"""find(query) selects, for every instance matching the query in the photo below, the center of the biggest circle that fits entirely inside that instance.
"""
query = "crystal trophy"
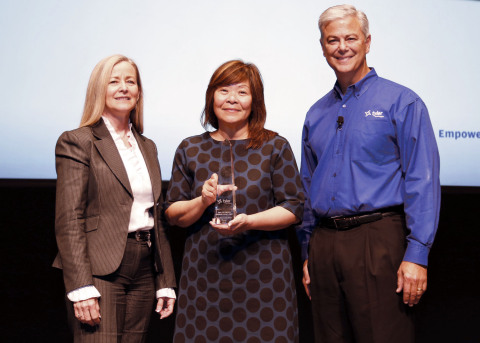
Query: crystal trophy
(225, 206)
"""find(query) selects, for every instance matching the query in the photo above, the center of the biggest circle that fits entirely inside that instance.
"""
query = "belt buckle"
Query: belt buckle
(344, 223)
(146, 238)
(337, 222)
(137, 236)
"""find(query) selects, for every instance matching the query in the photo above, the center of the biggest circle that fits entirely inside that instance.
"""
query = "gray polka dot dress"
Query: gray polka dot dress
(239, 288)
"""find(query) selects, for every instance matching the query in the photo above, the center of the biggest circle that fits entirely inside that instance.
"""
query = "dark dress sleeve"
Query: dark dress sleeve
(180, 186)
(286, 182)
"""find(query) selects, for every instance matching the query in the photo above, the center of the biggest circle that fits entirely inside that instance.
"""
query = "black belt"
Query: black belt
(140, 236)
(349, 222)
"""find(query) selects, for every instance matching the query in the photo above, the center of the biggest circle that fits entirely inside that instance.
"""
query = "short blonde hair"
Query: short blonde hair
(97, 90)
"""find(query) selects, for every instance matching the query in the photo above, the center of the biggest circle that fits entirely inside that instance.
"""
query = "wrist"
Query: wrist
(203, 202)
(206, 201)
(248, 223)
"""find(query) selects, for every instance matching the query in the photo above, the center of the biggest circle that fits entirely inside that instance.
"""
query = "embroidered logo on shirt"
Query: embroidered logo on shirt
(376, 114)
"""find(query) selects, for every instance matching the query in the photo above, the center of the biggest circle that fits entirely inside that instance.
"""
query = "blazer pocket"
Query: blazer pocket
(91, 223)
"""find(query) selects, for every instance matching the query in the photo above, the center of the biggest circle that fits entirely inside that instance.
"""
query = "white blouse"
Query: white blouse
(141, 217)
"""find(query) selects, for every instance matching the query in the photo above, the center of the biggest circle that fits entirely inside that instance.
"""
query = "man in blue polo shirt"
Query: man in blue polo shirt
(370, 168)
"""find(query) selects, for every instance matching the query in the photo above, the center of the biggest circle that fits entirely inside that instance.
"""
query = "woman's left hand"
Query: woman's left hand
(165, 307)
(235, 226)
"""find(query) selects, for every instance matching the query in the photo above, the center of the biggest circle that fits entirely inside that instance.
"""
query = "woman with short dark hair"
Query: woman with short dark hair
(237, 281)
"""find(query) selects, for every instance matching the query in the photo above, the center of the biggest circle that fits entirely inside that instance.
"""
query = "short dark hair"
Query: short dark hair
(230, 73)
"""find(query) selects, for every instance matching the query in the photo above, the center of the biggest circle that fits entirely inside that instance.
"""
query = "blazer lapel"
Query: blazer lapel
(151, 160)
(109, 152)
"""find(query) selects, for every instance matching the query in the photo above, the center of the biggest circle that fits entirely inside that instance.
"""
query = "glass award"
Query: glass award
(225, 206)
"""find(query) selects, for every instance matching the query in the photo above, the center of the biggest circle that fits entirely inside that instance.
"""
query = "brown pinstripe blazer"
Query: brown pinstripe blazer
(93, 204)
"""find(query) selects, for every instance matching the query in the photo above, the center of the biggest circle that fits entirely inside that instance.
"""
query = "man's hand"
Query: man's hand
(87, 311)
(165, 307)
(306, 279)
(412, 279)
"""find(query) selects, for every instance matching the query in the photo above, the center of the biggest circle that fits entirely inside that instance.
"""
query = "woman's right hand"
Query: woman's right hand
(184, 213)
(87, 311)
(209, 190)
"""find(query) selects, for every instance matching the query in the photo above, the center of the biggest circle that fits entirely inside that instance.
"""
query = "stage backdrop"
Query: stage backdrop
(50, 47)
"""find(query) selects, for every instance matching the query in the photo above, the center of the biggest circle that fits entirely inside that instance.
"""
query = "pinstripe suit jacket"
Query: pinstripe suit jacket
(93, 204)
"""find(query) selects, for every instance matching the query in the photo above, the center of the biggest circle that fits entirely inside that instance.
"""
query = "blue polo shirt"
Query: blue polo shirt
(384, 154)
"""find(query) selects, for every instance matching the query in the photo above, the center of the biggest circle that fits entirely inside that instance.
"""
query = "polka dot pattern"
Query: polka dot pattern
(240, 288)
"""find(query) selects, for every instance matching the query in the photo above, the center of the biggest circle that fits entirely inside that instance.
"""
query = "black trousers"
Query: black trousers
(353, 281)
(126, 303)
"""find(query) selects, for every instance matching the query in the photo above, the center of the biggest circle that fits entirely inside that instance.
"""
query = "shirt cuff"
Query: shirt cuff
(83, 293)
(166, 293)
(416, 253)
(304, 251)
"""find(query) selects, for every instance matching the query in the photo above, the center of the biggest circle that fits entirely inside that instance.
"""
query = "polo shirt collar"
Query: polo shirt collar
(358, 88)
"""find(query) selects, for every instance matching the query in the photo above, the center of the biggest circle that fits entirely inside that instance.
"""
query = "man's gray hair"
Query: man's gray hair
(341, 12)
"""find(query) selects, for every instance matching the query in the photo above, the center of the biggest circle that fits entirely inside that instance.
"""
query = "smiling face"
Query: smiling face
(232, 106)
(122, 91)
(345, 47)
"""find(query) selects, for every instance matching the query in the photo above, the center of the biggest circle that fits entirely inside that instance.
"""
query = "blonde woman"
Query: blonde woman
(113, 250)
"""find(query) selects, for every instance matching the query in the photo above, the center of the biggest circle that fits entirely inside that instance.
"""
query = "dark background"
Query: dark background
(33, 308)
